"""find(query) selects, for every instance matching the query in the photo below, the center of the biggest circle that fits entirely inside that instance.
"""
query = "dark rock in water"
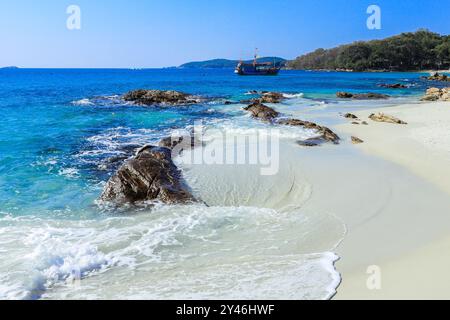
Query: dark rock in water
(355, 122)
(350, 116)
(150, 175)
(362, 96)
(229, 102)
(364, 123)
(265, 97)
(180, 143)
(157, 97)
(344, 95)
(438, 77)
(326, 134)
(393, 86)
(271, 97)
(356, 140)
(381, 117)
(262, 112)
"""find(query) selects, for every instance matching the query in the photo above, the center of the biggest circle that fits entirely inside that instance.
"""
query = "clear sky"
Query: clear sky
(158, 33)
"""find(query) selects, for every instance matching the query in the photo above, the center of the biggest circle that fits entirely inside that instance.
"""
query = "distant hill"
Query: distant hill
(421, 50)
(9, 68)
(228, 64)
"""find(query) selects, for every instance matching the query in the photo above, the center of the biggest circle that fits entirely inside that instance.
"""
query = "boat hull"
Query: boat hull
(252, 70)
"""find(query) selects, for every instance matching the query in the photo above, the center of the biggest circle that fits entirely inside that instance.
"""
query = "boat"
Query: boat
(257, 68)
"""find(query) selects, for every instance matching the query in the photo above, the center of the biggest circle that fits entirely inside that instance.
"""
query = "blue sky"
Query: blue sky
(158, 33)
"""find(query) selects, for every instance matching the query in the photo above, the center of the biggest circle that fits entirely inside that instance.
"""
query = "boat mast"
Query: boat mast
(256, 57)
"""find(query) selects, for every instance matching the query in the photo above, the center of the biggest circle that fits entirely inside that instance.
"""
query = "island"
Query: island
(228, 64)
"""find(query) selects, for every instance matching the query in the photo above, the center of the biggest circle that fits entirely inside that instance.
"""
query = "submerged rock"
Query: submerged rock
(150, 175)
(436, 94)
(155, 97)
(262, 112)
(393, 86)
(381, 117)
(326, 134)
(362, 96)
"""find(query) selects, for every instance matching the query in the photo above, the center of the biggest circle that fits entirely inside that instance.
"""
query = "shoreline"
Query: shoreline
(407, 243)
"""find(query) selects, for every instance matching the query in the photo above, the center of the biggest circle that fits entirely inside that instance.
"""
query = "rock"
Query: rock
(271, 97)
(325, 133)
(158, 97)
(354, 122)
(435, 94)
(364, 123)
(311, 142)
(350, 116)
(381, 117)
(344, 95)
(356, 140)
(438, 77)
(362, 96)
(150, 175)
(393, 86)
(265, 97)
(262, 112)
(180, 143)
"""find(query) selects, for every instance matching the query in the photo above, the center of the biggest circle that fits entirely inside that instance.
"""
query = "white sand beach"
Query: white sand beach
(409, 237)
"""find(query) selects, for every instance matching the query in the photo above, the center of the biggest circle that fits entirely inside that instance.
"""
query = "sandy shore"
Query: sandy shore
(408, 239)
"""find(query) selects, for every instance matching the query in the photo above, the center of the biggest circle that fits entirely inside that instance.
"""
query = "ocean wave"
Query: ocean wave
(110, 100)
(157, 256)
(293, 95)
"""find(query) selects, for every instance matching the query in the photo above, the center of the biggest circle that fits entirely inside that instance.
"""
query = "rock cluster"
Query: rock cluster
(159, 97)
(438, 77)
(436, 94)
(265, 113)
(326, 134)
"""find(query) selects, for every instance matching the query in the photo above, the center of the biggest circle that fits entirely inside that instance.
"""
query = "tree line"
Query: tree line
(420, 50)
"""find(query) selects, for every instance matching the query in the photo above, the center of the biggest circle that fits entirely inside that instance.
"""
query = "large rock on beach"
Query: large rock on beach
(262, 112)
(150, 175)
(159, 97)
(381, 117)
(436, 94)
(362, 96)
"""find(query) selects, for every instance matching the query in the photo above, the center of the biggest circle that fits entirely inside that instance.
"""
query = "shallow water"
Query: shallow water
(64, 132)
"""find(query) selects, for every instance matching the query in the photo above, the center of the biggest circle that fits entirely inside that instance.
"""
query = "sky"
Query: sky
(163, 33)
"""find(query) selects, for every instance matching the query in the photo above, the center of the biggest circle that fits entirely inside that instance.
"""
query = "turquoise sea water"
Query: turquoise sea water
(64, 132)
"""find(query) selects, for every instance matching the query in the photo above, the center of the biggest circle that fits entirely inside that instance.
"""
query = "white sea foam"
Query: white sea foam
(293, 95)
(83, 102)
(173, 252)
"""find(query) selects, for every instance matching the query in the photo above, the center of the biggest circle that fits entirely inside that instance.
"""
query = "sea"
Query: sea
(65, 132)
